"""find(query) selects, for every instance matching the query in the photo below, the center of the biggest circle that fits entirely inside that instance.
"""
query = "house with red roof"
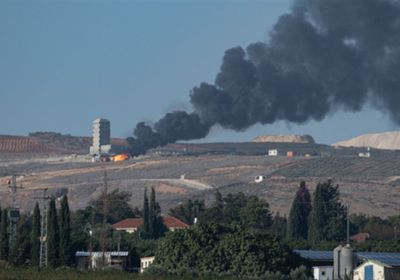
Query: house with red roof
(132, 224)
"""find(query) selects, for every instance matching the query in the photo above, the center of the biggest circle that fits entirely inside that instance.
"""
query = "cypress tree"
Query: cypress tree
(317, 216)
(157, 225)
(146, 222)
(22, 248)
(53, 235)
(328, 216)
(65, 233)
(35, 236)
(152, 215)
(4, 241)
(299, 213)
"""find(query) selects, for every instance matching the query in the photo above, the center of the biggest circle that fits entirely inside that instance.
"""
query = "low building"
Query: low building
(376, 270)
(131, 225)
(390, 262)
(273, 152)
(259, 178)
(323, 272)
(98, 260)
(290, 153)
(145, 262)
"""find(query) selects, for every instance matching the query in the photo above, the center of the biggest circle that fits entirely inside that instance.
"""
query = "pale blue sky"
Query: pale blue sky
(65, 63)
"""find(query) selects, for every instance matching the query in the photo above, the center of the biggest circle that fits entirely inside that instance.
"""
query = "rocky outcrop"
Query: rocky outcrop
(307, 139)
(386, 140)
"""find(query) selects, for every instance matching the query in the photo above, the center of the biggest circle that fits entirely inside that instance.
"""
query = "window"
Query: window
(323, 273)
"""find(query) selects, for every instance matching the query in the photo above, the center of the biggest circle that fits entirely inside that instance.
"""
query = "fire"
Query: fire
(120, 157)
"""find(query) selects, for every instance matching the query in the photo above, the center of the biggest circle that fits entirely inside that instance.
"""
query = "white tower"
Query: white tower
(101, 137)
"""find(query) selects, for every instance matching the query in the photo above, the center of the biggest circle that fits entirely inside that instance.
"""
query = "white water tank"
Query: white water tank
(336, 262)
(346, 262)
(343, 262)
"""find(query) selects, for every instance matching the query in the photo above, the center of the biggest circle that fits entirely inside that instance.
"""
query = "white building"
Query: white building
(259, 178)
(323, 272)
(101, 137)
(273, 152)
(375, 270)
(145, 262)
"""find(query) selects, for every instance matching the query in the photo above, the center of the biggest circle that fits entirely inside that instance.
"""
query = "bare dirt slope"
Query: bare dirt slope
(386, 140)
(372, 186)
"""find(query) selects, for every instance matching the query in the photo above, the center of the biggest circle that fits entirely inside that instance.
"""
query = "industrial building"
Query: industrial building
(343, 263)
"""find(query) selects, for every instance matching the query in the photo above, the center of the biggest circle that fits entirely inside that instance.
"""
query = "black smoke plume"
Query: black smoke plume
(323, 56)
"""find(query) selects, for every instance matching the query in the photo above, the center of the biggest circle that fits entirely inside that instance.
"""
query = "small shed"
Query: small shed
(145, 262)
(273, 152)
(323, 272)
(290, 153)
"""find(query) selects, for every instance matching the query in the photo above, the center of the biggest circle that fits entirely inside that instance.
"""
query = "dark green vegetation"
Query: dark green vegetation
(235, 235)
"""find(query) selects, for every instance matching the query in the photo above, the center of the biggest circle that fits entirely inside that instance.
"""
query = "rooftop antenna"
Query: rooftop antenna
(348, 224)
(13, 214)
(43, 228)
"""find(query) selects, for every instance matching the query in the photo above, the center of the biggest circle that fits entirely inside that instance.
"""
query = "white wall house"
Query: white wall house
(323, 272)
(375, 270)
(273, 152)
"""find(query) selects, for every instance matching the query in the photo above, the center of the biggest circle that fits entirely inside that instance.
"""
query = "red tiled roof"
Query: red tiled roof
(129, 223)
(360, 237)
(170, 222)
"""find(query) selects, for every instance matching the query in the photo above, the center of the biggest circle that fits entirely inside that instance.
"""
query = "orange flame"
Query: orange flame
(120, 157)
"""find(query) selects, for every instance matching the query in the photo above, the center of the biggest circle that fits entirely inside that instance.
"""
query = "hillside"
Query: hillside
(371, 185)
(48, 143)
(386, 140)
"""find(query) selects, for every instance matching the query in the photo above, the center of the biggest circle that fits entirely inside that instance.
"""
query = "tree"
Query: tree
(255, 214)
(279, 226)
(65, 232)
(120, 206)
(153, 226)
(145, 230)
(217, 248)
(239, 209)
(35, 236)
(152, 214)
(299, 213)
(328, 215)
(22, 248)
(53, 235)
(4, 240)
(188, 211)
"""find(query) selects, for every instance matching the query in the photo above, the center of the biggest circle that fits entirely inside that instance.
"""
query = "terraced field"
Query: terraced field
(21, 144)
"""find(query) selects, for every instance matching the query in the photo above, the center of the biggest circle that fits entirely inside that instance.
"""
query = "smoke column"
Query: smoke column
(321, 57)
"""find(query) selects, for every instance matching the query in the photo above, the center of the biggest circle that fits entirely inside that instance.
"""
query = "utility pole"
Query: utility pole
(348, 224)
(43, 229)
(13, 214)
(103, 239)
